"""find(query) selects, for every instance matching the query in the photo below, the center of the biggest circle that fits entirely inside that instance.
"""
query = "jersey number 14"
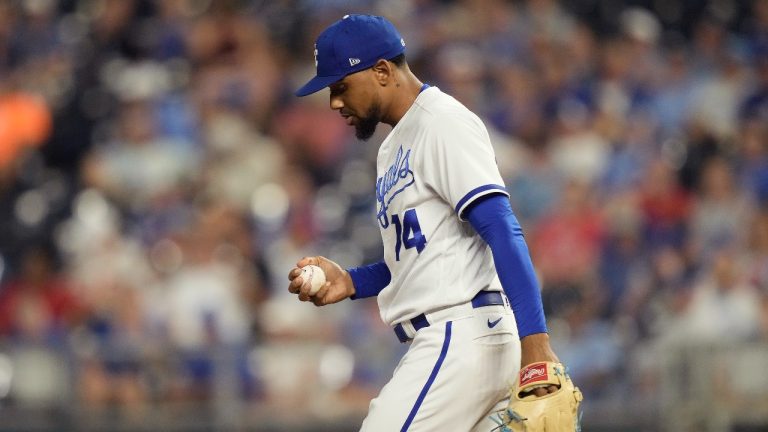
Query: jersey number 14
(408, 233)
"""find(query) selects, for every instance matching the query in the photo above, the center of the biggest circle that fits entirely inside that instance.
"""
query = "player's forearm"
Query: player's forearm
(493, 219)
(369, 280)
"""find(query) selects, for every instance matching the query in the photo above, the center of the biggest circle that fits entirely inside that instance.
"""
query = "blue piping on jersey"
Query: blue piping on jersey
(471, 194)
(432, 376)
(424, 87)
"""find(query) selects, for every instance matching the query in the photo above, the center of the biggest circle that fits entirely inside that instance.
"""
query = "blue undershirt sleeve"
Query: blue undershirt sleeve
(369, 280)
(493, 218)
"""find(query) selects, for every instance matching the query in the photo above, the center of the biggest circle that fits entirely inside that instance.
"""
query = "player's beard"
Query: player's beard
(366, 126)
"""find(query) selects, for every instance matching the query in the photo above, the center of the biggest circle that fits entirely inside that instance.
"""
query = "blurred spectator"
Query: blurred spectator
(723, 307)
(622, 256)
(138, 167)
(720, 210)
(755, 105)
(663, 294)
(208, 300)
(716, 97)
(709, 44)
(206, 295)
(38, 305)
(754, 160)
(317, 151)
(565, 243)
(665, 205)
(577, 151)
(589, 346)
(38, 312)
(239, 159)
(535, 190)
(673, 91)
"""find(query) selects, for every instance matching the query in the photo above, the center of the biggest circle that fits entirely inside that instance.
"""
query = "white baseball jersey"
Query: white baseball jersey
(435, 162)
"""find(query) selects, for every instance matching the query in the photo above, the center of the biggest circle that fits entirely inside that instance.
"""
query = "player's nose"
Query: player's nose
(336, 103)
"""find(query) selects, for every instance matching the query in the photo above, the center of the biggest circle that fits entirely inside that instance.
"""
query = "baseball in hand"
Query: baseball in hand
(313, 276)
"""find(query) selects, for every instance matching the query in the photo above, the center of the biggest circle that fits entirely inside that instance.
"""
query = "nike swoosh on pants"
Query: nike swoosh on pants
(492, 324)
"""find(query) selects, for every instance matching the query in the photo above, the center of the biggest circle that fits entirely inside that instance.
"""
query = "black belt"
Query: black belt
(481, 299)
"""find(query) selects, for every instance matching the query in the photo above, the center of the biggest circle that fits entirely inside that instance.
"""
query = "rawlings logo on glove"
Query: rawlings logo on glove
(534, 372)
(553, 412)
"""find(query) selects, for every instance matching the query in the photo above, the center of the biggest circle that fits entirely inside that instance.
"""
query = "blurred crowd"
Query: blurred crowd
(158, 179)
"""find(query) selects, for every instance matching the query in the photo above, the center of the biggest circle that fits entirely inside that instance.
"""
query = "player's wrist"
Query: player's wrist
(348, 283)
(536, 348)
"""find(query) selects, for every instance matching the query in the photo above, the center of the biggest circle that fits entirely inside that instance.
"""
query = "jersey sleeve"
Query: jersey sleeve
(493, 219)
(459, 162)
(369, 280)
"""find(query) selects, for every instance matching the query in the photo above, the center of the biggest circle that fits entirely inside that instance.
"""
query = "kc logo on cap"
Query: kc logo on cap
(352, 44)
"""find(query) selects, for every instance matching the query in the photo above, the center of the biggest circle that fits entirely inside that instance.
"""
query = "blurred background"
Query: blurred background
(158, 180)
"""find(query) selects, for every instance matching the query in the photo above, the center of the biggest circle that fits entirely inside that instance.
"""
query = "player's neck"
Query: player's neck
(407, 88)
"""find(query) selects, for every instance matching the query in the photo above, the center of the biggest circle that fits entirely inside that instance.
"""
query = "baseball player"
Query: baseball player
(445, 219)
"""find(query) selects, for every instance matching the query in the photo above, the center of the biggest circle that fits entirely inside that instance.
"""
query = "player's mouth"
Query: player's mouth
(350, 119)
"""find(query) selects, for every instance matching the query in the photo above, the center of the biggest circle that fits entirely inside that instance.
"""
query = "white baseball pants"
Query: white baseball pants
(456, 374)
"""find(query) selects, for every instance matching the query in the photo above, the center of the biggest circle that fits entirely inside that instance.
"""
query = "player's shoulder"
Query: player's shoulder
(434, 102)
(438, 108)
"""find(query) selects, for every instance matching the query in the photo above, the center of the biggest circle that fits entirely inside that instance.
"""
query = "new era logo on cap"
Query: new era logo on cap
(352, 44)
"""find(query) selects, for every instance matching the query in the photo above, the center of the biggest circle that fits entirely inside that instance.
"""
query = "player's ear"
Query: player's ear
(383, 72)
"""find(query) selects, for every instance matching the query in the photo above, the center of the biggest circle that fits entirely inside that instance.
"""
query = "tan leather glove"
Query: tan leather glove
(554, 412)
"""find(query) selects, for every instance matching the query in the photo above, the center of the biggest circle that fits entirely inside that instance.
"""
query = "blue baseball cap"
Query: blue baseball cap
(352, 44)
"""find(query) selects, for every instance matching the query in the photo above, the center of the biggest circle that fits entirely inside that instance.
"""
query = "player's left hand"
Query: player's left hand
(535, 348)
(557, 411)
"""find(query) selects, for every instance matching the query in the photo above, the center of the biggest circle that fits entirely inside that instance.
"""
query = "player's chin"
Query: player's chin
(364, 130)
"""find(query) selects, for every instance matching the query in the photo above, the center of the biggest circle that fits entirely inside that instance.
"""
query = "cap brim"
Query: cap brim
(316, 84)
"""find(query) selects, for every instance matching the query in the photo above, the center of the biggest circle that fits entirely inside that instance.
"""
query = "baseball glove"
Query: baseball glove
(554, 412)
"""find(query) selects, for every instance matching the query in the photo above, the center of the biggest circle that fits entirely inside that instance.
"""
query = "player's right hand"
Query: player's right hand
(338, 284)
